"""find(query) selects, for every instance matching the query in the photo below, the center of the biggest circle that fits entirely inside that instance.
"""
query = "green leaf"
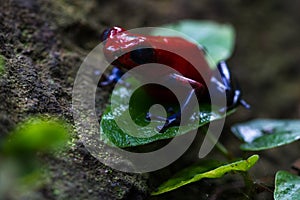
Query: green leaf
(208, 170)
(113, 135)
(218, 39)
(266, 133)
(139, 105)
(287, 186)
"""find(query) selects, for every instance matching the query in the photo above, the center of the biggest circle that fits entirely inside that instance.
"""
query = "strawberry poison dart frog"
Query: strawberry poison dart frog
(142, 49)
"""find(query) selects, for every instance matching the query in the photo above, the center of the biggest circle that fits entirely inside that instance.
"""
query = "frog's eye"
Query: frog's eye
(110, 32)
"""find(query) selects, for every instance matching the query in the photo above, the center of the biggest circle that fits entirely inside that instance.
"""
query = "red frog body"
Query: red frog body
(152, 49)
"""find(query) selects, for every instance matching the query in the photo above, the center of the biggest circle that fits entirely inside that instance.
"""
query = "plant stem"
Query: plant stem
(248, 184)
(220, 146)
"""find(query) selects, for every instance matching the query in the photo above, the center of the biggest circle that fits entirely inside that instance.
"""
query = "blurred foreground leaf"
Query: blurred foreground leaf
(20, 169)
(287, 186)
(208, 170)
(36, 135)
(266, 133)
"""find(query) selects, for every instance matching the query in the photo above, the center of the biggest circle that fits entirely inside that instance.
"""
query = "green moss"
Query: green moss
(2, 64)
(57, 192)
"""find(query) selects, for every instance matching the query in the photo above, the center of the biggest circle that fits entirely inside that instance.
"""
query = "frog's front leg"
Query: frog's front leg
(113, 77)
(181, 116)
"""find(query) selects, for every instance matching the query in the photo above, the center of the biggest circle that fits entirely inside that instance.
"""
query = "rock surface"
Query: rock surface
(37, 79)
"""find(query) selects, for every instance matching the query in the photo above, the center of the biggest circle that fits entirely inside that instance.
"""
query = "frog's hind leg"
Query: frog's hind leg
(184, 114)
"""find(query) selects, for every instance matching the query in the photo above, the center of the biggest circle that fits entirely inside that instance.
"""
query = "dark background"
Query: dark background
(265, 59)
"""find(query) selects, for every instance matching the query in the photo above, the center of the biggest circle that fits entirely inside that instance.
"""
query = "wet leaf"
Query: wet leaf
(217, 39)
(207, 170)
(266, 133)
(139, 105)
(112, 134)
(287, 186)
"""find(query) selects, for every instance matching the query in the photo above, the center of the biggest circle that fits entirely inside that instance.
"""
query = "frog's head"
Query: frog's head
(120, 46)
